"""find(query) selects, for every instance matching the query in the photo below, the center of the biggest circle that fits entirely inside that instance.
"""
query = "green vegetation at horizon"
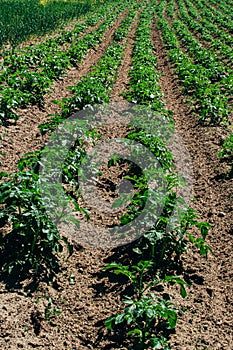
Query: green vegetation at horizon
(21, 19)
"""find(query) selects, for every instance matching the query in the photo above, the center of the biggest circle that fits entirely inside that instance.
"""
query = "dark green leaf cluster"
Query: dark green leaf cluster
(35, 237)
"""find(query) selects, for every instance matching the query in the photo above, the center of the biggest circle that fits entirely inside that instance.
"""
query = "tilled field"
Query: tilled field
(175, 58)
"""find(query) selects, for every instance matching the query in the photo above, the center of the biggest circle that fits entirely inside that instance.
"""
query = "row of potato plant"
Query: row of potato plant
(95, 88)
(221, 42)
(26, 86)
(147, 316)
(217, 45)
(202, 76)
(192, 10)
(211, 14)
(171, 8)
(36, 238)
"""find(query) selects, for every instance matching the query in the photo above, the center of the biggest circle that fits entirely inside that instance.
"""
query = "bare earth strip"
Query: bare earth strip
(122, 82)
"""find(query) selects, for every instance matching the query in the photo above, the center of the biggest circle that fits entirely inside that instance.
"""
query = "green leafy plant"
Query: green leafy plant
(140, 319)
(134, 273)
(227, 151)
(36, 238)
(51, 311)
(137, 274)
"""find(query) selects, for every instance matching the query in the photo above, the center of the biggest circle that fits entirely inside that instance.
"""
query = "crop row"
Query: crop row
(208, 31)
(211, 14)
(151, 254)
(23, 86)
(200, 72)
(157, 252)
(170, 8)
(36, 235)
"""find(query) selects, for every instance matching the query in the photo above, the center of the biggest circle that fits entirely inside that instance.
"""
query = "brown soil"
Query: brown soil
(176, 16)
(85, 294)
(122, 82)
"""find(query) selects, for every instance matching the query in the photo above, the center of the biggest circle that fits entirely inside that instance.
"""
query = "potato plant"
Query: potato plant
(26, 79)
(227, 152)
(158, 249)
(155, 258)
(200, 73)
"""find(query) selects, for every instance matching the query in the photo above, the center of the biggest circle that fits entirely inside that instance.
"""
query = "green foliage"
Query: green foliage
(227, 147)
(35, 236)
(161, 246)
(28, 74)
(138, 276)
(140, 319)
(134, 273)
(147, 317)
(227, 152)
(51, 310)
(22, 18)
(199, 70)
